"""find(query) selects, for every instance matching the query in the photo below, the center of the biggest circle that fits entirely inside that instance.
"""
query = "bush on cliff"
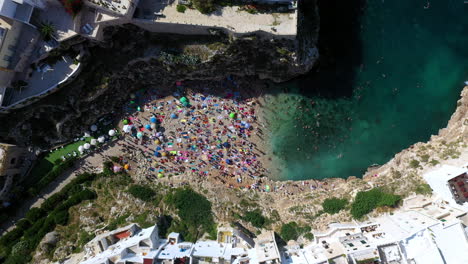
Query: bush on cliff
(204, 6)
(367, 201)
(334, 205)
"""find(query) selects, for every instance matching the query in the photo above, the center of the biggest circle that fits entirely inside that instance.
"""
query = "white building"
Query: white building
(451, 184)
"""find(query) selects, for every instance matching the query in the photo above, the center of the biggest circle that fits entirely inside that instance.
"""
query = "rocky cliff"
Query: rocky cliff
(131, 58)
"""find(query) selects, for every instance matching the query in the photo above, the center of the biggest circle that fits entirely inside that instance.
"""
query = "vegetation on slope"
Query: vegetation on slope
(334, 205)
(367, 201)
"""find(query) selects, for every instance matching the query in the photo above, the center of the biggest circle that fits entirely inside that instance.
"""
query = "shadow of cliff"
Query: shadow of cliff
(340, 49)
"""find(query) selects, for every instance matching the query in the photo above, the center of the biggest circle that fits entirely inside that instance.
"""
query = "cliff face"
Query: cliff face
(131, 59)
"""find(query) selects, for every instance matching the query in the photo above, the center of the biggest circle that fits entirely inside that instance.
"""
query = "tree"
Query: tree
(334, 205)
(47, 30)
(181, 8)
(255, 217)
(141, 192)
(204, 6)
(289, 231)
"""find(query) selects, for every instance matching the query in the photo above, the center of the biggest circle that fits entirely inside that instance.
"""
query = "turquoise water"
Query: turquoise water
(411, 68)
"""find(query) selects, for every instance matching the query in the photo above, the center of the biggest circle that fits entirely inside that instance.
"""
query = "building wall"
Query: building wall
(13, 31)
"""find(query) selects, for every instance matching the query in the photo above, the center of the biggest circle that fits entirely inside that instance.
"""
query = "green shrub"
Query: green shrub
(35, 214)
(414, 164)
(194, 211)
(23, 224)
(334, 205)
(255, 217)
(292, 231)
(10, 238)
(204, 6)
(61, 217)
(142, 192)
(181, 8)
(367, 201)
(424, 189)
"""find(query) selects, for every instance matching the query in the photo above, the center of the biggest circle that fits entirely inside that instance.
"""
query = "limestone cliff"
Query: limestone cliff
(131, 58)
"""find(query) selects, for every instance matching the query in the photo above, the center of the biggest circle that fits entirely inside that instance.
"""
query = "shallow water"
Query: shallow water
(403, 88)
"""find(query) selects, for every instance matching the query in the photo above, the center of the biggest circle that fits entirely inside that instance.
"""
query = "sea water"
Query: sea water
(401, 87)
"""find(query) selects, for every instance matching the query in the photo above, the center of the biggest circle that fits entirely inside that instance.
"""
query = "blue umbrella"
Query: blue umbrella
(153, 119)
(226, 145)
(148, 126)
(228, 161)
(173, 116)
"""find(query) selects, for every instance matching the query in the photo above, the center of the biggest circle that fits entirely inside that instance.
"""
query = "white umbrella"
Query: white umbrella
(87, 146)
(101, 139)
(93, 141)
(93, 128)
(153, 126)
(127, 128)
(86, 134)
(111, 132)
(80, 148)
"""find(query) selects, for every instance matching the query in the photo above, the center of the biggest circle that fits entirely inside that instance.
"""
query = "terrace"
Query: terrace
(66, 26)
(459, 188)
(237, 19)
(46, 77)
(119, 7)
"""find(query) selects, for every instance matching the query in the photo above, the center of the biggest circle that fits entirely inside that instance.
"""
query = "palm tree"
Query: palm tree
(47, 30)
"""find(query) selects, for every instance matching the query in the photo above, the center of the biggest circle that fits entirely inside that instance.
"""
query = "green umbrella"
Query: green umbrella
(125, 122)
(232, 115)
(183, 100)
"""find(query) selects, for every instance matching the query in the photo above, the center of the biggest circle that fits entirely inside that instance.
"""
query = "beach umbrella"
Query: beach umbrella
(148, 126)
(94, 128)
(101, 139)
(132, 95)
(139, 135)
(160, 175)
(267, 188)
(112, 132)
(117, 168)
(138, 108)
(164, 154)
(157, 142)
(226, 145)
(228, 161)
(153, 126)
(173, 116)
(178, 83)
(86, 134)
(183, 100)
(127, 129)
(125, 122)
(80, 148)
(126, 166)
(232, 115)
(153, 119)
(87, 146)
(93, 141)
(157, 154)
